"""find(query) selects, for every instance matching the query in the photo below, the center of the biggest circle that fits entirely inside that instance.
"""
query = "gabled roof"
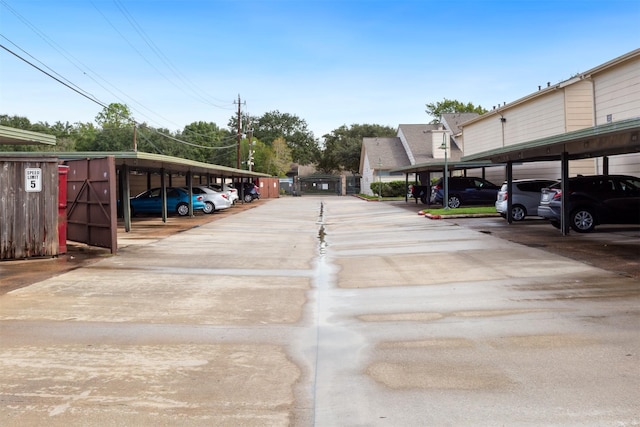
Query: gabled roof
(452, 121)
(384, 153)
(419, 145)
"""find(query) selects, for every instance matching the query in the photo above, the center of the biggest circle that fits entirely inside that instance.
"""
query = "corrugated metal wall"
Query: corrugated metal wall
(28, 207)
(269, 188)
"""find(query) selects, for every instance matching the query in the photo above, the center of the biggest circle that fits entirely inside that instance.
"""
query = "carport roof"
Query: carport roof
(148, 162)
(438, 165)
(605, 140)
(13, 136)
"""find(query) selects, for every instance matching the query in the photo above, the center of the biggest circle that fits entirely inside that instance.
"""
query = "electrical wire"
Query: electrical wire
(80, 92)
(163, 58)
(89, 73)
(102, 104)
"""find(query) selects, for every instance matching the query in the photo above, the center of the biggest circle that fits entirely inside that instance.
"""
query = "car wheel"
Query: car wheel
(582, 220)
(183, 209)
(518, 212)
(248, 198)
(454, 202)
(209, 208)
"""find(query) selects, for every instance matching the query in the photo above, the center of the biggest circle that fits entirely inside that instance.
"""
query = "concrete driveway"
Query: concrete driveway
(315, 311)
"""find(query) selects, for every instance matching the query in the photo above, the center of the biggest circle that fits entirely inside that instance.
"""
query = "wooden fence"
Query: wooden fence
(28, 207)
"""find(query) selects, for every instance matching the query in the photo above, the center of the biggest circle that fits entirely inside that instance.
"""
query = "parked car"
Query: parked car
(150, 201)
(525, 197)
(213, 200)
(248, 190)
(594, 200)
(465, 190)
(231, 192)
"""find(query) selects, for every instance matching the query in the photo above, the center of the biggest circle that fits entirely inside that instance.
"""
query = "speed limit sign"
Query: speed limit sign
(33, 180)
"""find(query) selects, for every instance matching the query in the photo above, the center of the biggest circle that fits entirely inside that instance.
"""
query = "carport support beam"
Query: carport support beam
(190, 192)
(509, 191)
(564, 214)
(163, 192)
(126, 195)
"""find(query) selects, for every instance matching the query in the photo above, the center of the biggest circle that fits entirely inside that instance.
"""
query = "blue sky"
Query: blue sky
(329, 62)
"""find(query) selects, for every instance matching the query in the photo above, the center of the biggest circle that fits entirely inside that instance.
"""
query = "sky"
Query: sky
(328, 62)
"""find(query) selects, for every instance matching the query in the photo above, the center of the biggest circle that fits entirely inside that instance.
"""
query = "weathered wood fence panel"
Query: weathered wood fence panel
(28, 207)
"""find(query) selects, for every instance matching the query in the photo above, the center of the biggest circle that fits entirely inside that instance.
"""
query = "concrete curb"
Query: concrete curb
(431, 216)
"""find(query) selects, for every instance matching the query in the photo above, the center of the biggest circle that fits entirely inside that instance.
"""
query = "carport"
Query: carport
(606, 140)
(14, 136)
(441, 166)
(96, 179)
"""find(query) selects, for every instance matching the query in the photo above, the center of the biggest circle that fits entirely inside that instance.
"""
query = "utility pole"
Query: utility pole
(250, 139)
(239, 133)
(135, 140)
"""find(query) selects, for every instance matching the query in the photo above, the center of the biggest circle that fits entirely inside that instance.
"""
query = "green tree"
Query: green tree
(281, 158)
(117, 129)
(209, 144)
(274, 124)
(343, 146)
(17, 122)
(115, 116)
(85, 136)
(437, 109)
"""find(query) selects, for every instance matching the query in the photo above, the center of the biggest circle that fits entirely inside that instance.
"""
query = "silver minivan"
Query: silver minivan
(525, 198)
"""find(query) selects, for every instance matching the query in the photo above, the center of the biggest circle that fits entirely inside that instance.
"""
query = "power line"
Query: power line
(90, 73)
(90, 98)
(102, 104)
(158, 52)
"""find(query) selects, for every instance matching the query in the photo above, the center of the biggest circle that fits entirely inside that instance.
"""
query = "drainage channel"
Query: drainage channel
(336, 342)
(321, 279)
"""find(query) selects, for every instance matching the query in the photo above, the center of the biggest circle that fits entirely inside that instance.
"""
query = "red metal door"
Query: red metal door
(62, 208)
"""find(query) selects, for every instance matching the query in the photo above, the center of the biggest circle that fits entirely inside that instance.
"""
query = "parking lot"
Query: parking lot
(611, 247)
(315, 311)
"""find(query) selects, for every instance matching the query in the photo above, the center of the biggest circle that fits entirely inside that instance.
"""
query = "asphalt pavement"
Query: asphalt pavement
(314, 311)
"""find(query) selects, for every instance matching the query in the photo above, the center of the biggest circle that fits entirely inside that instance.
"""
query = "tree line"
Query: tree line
(269, 143)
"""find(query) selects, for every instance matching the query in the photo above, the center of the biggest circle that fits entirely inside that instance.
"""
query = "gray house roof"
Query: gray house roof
(384, 153)
(452, 121)
(417, 141)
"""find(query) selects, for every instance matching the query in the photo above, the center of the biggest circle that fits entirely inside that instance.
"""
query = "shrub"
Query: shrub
(389, 189)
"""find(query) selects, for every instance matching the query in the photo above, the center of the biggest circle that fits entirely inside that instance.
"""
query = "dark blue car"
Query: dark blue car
(465, 190)
(150, 201)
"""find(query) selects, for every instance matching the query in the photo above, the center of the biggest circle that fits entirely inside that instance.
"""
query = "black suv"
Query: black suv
(593, 200)
(247, 191)
(465, 190)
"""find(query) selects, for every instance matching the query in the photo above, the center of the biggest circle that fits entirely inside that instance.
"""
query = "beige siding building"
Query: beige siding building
(606, 94)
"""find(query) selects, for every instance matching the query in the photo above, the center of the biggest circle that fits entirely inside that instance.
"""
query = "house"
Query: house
(413, 144)
(588, 124)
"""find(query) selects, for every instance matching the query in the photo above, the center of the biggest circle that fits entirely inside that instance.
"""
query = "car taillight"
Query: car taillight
(225, 196)
(199, 198)
(505, 196)
(437, 187)
(558, 195)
